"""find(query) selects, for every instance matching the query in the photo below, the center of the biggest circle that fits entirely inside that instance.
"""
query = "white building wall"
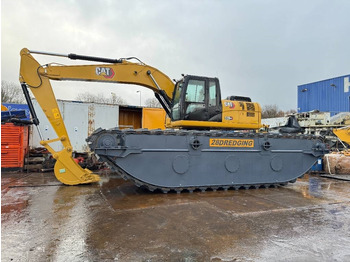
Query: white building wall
(81, 119)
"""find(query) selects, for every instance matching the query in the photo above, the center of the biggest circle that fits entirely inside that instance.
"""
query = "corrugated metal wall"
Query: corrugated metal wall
(331, 95)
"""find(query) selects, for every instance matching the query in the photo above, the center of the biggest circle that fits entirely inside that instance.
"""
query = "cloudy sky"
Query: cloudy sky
(261, 49)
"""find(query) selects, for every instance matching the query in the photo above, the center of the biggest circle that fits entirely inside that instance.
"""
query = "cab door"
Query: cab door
(201, 99)
(214, 100)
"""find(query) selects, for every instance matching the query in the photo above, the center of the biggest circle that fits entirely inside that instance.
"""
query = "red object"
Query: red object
(14, 145)
(79, 159)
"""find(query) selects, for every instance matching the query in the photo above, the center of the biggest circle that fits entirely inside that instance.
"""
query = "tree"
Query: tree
(117, 99)
(270, 111)
(100, 98)
(290, 112)
(11, 93)
(153, 102)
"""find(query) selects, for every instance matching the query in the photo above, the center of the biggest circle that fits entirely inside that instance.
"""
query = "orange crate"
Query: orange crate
(14, 145)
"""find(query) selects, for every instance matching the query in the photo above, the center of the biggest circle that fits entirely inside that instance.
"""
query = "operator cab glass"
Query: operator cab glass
(175, 114)
(197, 98)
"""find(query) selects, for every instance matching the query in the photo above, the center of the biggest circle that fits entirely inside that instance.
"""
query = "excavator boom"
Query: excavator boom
(37, 77)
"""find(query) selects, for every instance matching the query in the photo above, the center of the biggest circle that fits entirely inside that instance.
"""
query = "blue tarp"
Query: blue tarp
(17, 107)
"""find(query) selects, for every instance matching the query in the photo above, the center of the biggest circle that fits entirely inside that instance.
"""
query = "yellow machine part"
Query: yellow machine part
(153, 118)
(66, 169)
(4, 108)
(37, 77)
(343, 134)
(235, 114)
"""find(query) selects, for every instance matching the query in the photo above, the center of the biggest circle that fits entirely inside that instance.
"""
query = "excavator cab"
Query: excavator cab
(197, 98)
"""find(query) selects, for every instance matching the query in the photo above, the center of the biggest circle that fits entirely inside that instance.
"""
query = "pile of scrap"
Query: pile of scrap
(88, 160)
(40, 160)
(338, 163)
(318, 123)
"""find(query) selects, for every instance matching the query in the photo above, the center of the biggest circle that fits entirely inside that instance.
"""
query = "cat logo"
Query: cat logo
(106, 72)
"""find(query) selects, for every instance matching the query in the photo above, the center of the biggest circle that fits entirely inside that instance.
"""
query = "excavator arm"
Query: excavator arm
(37, 77)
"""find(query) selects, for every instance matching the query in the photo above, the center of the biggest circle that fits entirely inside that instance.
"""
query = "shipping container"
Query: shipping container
(81, 120)
(330, 95)
(14, 145)
(130, 117)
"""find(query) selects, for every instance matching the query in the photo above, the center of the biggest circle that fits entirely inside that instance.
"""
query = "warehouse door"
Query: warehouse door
(130, 117)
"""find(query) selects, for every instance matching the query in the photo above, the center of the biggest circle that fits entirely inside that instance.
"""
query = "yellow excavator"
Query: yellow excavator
(205, 134)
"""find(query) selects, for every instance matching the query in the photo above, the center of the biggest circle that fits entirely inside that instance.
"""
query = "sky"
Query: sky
(261, 49)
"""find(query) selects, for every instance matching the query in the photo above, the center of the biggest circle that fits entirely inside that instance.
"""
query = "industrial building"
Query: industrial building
(330, 95)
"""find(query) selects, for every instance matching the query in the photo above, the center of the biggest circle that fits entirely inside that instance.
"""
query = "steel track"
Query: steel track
(213, 133)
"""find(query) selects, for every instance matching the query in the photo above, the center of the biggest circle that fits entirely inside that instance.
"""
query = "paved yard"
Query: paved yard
(42, 220)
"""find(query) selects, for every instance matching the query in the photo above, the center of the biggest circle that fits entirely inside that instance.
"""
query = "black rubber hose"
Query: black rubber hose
(94, 58)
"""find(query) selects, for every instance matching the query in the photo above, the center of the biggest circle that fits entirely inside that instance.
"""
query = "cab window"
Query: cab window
(212, 93)
(195, 100)
(176, 102)
(195, 91)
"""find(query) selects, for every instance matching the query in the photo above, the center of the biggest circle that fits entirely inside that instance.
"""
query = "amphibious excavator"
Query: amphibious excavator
(209, 143)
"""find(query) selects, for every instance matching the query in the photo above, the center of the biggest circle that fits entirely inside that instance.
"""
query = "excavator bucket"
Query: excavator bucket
(66, 169)
(69, 172)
